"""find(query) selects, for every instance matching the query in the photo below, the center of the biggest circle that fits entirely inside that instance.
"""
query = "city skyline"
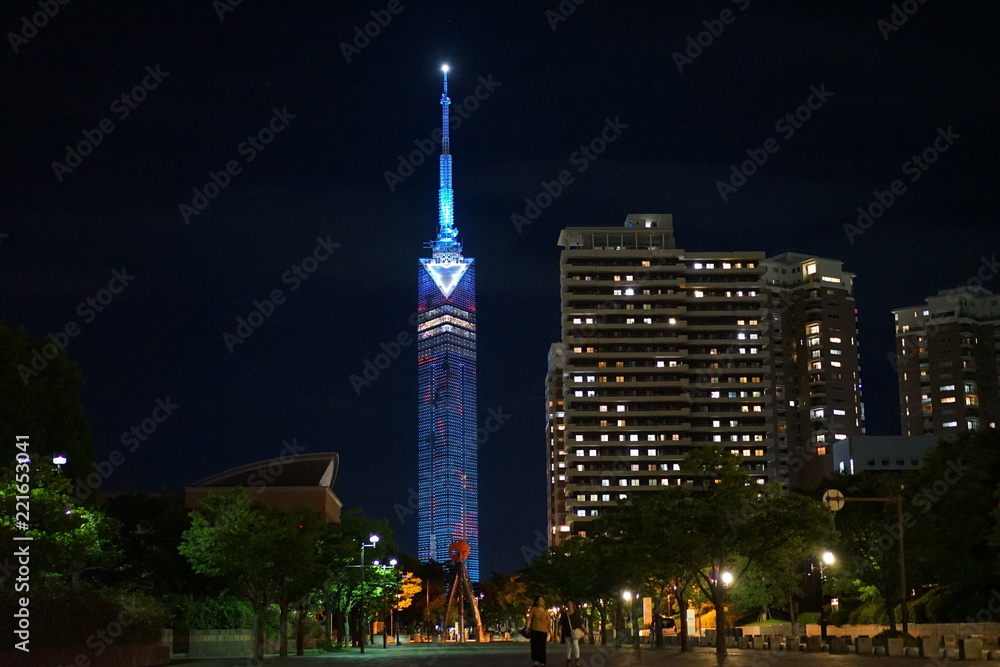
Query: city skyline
(232, 154)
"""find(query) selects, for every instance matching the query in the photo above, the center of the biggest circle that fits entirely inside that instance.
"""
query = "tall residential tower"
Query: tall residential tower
(948, 362)
(663, 351)
(447, 474)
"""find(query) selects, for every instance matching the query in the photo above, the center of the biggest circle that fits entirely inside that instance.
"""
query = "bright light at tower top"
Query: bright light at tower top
(444, 68)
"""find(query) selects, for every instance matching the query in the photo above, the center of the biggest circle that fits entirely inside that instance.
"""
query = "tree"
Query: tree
(40, 395)
(505, 601)
(724, 522)
(150, 528)
(952, 504)
(252, 547)
(67, 539)
(868, 536)
(301, 564)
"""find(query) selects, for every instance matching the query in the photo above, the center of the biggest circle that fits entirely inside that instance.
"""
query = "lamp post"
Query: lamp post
(373, 540)
(826, 559)
(385, 568)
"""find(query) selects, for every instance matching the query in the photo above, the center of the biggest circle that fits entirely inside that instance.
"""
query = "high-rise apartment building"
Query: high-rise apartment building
(664, 351)
(555, 432)
(817, 376)
(447, 473)
(947, 353)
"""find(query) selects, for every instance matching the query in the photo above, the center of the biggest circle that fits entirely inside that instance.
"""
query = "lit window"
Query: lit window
(698, 294)
(621, 408)
(810, 269)
(948, 399)
(579, 437)
(696, 265)
(834, 339)
(633, 452)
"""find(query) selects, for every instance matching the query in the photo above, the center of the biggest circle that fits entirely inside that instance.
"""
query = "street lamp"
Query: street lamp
(627, 597)
(727, 578)
(373, 540)
(826, 559)
(385, 568)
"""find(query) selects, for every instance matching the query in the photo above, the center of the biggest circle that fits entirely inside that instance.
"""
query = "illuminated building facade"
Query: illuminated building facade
(948, 363)
(448, 503)
(816, 364)
(663, 351)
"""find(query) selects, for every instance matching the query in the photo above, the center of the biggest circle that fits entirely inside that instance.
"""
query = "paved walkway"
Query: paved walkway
(516, 655)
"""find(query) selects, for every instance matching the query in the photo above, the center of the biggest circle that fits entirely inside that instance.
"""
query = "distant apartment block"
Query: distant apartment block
(947, 363)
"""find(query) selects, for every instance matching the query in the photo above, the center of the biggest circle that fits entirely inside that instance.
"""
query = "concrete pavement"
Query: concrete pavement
(507, 654)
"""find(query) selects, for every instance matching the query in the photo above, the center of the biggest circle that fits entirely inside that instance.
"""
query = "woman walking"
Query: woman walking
(539, 627)
(572, 630)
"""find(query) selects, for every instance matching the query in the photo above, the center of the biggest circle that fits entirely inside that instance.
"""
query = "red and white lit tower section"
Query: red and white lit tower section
(447, 477)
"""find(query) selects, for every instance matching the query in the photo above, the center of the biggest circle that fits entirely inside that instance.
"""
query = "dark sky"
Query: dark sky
(887, 94)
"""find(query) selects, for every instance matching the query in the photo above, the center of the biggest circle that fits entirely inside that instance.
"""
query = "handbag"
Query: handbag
(524, 633)
(578, 633)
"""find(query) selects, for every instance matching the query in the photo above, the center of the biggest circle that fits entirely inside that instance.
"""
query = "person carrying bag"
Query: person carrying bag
(572, 631)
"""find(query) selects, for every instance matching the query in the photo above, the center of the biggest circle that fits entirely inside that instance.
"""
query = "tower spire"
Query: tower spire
(447, 238)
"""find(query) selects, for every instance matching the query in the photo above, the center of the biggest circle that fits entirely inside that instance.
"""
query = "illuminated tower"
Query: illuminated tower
(446, 378)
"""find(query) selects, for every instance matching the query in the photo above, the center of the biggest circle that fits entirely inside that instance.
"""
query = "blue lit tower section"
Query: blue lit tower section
(448, 478)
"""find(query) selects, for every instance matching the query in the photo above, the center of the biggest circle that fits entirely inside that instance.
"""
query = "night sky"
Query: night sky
(212, 76)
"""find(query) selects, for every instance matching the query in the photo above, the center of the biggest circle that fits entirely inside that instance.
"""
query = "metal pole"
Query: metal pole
(364, 630)
(902, 563)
